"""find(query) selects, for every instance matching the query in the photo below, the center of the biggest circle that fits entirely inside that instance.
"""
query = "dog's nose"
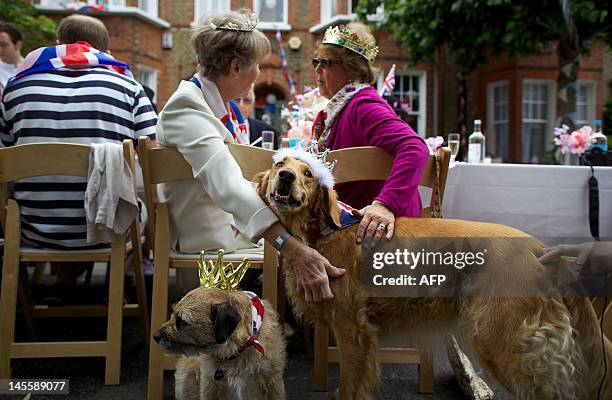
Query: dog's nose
(286, 176)
(157, 336)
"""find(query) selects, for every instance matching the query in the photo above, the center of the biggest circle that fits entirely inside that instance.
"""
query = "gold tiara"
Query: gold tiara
(248, 26)
(341, 36)
(217, 274)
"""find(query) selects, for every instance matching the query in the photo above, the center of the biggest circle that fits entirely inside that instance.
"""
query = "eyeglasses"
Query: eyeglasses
(324, 62)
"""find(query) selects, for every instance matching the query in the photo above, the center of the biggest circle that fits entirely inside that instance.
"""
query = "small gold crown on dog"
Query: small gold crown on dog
(248, 26)
(218, 274)
(341, 36)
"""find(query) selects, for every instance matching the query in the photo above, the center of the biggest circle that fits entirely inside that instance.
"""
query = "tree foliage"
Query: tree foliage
(37, 30)
(473, 30)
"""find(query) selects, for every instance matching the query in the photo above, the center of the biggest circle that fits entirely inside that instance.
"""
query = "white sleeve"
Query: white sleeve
(198, 135)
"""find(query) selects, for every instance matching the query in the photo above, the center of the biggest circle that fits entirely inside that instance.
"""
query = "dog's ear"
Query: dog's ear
(329, 206)
(225, 319)
(261, 179)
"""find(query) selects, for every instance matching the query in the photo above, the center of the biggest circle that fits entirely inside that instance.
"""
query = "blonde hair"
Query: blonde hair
(216, 48)
(354, 64)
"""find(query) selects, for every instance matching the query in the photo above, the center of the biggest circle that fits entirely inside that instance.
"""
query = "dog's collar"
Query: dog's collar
(257, 314)
(347, 219)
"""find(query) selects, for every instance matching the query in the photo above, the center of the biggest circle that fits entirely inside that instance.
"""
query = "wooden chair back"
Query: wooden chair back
(44, 159)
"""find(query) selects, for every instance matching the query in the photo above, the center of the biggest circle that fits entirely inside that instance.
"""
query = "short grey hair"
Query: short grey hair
(216, 48)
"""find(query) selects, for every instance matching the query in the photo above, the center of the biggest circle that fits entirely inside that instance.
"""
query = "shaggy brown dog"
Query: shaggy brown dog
(538, 347)
(210, 327)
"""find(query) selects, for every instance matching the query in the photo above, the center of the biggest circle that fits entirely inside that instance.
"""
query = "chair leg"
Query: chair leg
(8, 291)
(115, 313)
(425, 370)
(320, 358)
(159, 309)
(25, 298)
(270, 274)
(141, 292)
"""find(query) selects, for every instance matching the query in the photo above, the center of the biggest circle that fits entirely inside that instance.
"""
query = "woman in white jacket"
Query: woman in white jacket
(219, 208)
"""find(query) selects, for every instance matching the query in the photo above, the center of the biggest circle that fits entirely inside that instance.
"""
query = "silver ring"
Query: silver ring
(382, 227)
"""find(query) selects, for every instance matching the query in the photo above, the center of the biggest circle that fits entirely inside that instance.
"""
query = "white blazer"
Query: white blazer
(207, 212)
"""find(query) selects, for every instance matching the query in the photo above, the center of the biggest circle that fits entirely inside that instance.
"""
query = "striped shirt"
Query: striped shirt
(82, 106)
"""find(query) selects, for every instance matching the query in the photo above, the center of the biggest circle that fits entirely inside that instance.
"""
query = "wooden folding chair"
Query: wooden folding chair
(44, 159)
(373, 163)
(166, 164)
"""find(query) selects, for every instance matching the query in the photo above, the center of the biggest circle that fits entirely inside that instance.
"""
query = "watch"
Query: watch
(280, 240)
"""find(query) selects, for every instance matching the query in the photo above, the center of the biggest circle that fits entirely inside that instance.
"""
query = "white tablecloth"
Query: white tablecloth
(546, 201)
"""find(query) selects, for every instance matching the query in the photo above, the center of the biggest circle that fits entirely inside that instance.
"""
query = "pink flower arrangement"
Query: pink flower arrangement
(434, 143)
(576, 142)
(301, 115)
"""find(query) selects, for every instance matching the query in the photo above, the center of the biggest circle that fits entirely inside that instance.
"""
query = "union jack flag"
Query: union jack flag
(346, 215)
(389, 82)
(75, 55)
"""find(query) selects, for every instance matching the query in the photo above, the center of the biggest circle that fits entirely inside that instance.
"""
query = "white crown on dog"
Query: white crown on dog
(317, 163)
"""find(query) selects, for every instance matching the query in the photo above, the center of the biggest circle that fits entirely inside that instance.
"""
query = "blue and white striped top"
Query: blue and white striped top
(83, 106)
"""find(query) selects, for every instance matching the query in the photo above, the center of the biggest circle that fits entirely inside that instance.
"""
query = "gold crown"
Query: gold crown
(341, 36)
(248, 26)
(217, 274)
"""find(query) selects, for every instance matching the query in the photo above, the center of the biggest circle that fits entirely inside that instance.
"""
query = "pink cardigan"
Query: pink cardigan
(367, 120)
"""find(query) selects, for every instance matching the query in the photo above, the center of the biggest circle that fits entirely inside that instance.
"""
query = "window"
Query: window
(410, 88)
(271, 11)
(498, 111)
(538, 116)
(114, 3)
(585, 103)
(148, 6)
(204, 8)
(334, 8)
(148, 77)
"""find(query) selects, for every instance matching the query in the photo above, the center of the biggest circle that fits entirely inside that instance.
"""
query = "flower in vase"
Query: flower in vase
(580, 140)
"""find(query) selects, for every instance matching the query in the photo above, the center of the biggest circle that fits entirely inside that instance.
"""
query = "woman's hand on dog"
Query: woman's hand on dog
(312, 270)
(372, 217)
(580, 251)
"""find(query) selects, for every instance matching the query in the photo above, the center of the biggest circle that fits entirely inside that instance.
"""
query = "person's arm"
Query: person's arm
(312, 270)
(601, 258)
(188, 124)
(145, 117)
(6, 136)
(197, 134)
(410, 153)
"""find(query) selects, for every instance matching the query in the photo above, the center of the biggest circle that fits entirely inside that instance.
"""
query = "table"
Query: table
(546, 201)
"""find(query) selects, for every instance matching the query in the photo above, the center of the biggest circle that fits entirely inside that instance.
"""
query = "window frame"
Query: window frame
(47, 3)
(492, 123)
(201, 7)
(550, 114)
(591, 101)
(421, 127)
(154, 73)
(274, 25)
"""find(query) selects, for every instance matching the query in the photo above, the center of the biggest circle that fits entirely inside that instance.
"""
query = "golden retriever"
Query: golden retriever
(209, 328)
(537, 347)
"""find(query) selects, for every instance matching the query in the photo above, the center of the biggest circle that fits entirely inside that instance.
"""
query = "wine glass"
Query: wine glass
(454, 142)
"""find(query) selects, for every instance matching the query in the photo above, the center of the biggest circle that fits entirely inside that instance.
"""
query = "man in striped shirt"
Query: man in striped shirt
(82, 104)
